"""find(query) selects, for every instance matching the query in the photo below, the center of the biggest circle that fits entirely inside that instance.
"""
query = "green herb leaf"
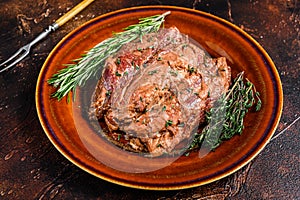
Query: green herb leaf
(118, 61)
(173, 72)
(108, 93)
(90, 64)
(233, 107)
(152, 72)
(118, 74)
(168, 123)
(191, 69)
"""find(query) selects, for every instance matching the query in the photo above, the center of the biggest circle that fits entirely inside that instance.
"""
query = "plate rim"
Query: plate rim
(77, 162)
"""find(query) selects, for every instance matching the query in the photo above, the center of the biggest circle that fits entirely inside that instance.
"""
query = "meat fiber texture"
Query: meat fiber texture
(153, 94)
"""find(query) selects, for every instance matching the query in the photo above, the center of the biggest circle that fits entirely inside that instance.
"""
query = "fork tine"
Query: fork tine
(13, 56)
(15, 62)
(25, 48)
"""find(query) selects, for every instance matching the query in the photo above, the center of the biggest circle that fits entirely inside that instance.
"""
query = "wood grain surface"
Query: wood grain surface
(31, 168)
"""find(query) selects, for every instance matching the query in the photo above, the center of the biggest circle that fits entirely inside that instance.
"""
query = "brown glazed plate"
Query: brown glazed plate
(71, 133)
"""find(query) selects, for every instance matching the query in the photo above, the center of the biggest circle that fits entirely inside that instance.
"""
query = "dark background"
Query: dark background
(30, 166)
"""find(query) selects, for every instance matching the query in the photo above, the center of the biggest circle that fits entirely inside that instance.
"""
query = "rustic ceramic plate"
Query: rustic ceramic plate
(72, 135)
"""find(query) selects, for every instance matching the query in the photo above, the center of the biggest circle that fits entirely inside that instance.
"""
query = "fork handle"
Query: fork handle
(42, 35)
(66, 17)
(74, 11)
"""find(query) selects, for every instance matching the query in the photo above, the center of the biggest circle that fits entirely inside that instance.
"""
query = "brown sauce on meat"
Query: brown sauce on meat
(154, 92)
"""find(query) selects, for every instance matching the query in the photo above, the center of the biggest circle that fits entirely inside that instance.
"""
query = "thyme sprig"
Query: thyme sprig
(88, 65)
(226, 117)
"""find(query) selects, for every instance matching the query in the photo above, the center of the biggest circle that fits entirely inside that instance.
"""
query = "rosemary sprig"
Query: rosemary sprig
(88, 65)
(226, 118)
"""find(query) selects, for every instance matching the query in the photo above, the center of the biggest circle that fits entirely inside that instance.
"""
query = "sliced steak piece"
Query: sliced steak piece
(155, 92)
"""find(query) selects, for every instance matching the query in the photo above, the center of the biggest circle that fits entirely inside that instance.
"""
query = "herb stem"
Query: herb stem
(76, 74)
(226, 118)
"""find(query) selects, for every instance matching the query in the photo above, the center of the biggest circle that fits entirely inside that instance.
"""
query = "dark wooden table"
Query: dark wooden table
(30, 166)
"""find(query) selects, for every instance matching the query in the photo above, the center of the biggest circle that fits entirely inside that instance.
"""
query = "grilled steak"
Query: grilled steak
(154, 92)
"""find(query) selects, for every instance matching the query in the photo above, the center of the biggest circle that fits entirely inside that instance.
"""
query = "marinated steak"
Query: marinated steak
(155, 91)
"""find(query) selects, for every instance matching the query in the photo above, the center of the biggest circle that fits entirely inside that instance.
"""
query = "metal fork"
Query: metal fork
(24, 51)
